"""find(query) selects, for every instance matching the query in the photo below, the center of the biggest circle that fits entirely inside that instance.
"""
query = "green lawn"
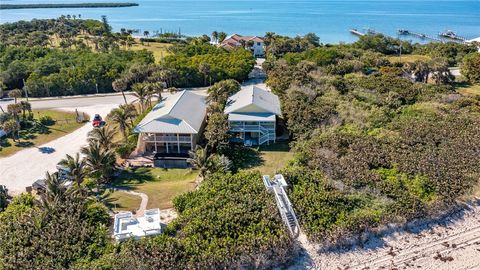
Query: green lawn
(470, 90)
(121, 201)
(160, 185)
(272, 158)
(65, 123)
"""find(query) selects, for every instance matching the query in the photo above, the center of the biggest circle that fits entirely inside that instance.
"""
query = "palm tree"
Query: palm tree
(15, 93)
(222, 36)
(204, 68)
(55, 191)
(11, 127)
(103, 136)
(100, 162)
(14, 109)
(26, 107)
(199, 160)
(76, 167)
(205, 163)
(215, 36)
(141, 92)
(157, 87)
(121, 116)
(120, 85)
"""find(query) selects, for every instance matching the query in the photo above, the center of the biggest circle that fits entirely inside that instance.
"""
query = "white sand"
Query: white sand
(452, 243)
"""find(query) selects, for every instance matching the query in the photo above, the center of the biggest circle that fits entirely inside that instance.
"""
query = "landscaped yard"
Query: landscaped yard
(65, 123)
(159, 50)
(267, 159)
(274, 157)
(160, 185)
(121, 201)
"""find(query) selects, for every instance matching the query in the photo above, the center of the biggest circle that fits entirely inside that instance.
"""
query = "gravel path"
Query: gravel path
(25, 167)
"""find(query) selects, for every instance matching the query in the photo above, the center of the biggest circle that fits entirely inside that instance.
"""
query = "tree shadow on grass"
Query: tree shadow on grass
(4, 143)
(133, 176)
(244, 157)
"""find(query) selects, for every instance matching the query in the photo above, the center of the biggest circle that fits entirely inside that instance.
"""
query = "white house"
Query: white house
(252, 115)
(127, 226)
(254, 43)
(172, 129)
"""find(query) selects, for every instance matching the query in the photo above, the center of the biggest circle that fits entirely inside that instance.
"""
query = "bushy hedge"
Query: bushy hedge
(222, 64)
(229, 222)
(372, 147)
(56, 72)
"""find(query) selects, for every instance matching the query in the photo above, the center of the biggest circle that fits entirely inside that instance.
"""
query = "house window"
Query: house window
(258, 43)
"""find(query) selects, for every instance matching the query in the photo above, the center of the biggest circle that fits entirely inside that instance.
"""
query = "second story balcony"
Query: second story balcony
(166, 138)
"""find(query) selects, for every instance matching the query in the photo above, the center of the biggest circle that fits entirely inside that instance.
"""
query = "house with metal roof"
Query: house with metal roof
(252, 115)
(172, 128)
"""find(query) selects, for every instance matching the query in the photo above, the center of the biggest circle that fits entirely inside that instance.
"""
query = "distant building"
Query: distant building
(127, 226)
(252, 114)
(254, 43)
(172, 129)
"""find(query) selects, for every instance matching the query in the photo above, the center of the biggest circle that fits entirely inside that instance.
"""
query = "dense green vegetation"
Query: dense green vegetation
(203, 64)
(375, 142)
(79, 5)
(230, 222)
(57, 72)
(90, 56)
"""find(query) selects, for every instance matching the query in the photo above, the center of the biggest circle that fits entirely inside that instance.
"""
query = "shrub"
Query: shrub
(46, 120)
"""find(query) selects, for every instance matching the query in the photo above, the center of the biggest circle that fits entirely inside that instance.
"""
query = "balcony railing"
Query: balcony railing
(163, 138)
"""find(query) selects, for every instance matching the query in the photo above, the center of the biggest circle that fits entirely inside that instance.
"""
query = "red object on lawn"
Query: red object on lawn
(97, 121)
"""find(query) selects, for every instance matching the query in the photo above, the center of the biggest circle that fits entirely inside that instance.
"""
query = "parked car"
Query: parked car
(97, 121)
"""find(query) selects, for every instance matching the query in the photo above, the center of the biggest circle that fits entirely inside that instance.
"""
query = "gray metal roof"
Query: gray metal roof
(253, 99)
(254, 117)
(183, 112)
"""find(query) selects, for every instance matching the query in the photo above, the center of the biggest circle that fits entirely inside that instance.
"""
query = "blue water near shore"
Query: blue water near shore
(329, 19)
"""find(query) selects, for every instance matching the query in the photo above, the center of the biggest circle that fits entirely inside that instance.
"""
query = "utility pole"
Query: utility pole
(96, 87)
(25, 89)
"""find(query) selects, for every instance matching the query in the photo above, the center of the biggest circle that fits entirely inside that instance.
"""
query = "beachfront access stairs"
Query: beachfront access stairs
(285, 207)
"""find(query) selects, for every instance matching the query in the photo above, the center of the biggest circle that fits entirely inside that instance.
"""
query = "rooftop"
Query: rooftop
(263, 101)
(127, 226)
(182, 112)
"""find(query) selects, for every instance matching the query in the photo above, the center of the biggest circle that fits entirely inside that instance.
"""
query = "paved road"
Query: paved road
(25, 167)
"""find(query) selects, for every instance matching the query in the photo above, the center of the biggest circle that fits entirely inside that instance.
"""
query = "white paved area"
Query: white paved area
(25, 167)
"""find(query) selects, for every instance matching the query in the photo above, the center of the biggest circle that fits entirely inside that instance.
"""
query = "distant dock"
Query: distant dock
(406, 32)
(357, 33)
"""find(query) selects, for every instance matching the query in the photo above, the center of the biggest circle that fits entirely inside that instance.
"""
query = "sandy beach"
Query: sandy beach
(451, 242)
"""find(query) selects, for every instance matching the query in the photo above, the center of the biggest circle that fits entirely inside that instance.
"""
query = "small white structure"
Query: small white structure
(252, 114)
(254, 43)
(127, 226)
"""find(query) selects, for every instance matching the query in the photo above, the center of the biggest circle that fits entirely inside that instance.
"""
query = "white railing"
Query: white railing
(284, 205)
(163, 138)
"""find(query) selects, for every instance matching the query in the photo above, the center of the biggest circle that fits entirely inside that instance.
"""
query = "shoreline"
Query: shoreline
(73, 5)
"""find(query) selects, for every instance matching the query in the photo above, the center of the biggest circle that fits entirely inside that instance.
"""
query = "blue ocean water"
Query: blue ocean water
(329, 19)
